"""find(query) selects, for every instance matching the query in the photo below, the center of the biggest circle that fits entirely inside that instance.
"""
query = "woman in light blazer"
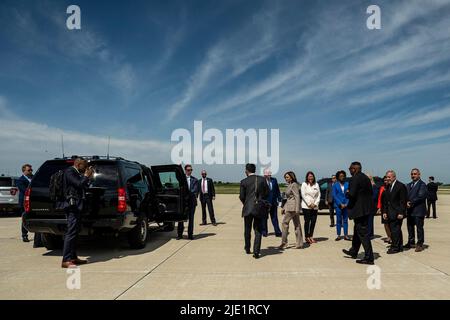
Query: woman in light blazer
(310, 192)
(291, 211)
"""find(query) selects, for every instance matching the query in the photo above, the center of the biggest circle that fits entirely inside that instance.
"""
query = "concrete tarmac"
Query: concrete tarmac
(214, 265)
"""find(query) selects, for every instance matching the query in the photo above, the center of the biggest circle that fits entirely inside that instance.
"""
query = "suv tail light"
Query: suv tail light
(26, 202)
(122, 200)
(13, 191)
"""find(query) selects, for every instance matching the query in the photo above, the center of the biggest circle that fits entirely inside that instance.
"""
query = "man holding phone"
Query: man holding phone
(75, 183)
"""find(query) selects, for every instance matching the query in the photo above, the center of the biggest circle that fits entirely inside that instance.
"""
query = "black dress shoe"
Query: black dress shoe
(214, 224)
(338, 238)
(179, 237)
(25, 239)
(365, 261)
(391, 251)
(350, 253)
(247, 251)
(278, 235)
(256, 255)
(408, 246)
(191, 237)
(203, 224)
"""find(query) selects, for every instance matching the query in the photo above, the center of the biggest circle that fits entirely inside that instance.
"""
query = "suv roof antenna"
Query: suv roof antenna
(62, 145)
(109, 140)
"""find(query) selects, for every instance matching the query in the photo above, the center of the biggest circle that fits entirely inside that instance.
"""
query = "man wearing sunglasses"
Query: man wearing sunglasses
(193, 188)
(22, 184)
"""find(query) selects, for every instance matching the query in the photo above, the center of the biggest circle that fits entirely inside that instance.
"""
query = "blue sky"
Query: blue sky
(137, 70)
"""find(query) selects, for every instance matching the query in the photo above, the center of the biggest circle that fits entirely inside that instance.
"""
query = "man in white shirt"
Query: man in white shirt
(207, 195)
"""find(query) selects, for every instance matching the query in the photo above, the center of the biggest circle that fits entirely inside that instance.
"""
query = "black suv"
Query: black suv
(323, 184)
(123, 196)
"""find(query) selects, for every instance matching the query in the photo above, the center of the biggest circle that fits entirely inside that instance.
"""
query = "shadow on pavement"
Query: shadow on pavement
(203, 235)
(105, 248)
(270, 251)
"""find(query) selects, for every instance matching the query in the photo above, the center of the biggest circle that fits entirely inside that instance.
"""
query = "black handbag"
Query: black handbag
(262, 207)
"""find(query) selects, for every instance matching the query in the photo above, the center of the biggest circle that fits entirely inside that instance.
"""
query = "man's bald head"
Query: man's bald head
(81, 164)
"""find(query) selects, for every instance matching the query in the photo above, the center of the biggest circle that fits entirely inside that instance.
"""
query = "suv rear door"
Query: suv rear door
(172, 192)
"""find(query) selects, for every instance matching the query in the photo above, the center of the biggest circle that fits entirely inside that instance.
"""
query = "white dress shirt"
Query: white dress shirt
(206, 185)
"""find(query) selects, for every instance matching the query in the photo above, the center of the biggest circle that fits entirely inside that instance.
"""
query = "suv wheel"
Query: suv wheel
(52, 241)
(137, 237)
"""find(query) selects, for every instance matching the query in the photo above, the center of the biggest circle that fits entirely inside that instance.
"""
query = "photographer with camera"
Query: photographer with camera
(75, 182)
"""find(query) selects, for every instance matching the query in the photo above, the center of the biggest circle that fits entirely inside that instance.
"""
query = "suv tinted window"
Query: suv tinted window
(42, 177)
(105, 176)
(169, 180)
(5, 182)
(135, 181)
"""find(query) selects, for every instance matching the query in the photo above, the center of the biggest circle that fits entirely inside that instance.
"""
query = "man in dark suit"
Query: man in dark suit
(273, 197)
(253, 187)
(193, 188)
(22, 184)
(329, 201)
(359, 207)
(207, 195)
(432, 196)
(394, 210)
(416, 210)
(75, 182)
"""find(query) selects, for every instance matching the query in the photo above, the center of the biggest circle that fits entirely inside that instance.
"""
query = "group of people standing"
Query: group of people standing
(202, 189)
(305, 197)
(359, 199)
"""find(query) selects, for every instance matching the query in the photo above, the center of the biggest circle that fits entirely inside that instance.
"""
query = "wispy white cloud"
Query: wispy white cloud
(231, 57)
(36, 142)
(356, 70)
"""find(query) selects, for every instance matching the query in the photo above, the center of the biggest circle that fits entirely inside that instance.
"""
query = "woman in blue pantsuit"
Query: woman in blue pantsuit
(340, 204)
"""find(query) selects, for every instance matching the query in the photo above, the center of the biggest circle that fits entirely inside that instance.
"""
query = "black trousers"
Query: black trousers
(310, 216)
(274, 218)
(206, 200)
(190, 225)
(331, 208)
(71, 237)
(413, 223)
(23, 229)
(431, 204)
(396, 234)
(361, 237)
(255, 223)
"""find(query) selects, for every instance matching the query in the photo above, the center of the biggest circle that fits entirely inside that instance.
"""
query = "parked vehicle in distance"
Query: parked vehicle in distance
(123, 197)
(323, 184)
(9, 194)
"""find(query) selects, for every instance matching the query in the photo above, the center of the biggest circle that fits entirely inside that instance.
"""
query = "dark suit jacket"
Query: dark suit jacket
(22, 184)
(360, 196)
(417, 196)
(247, 193)
(432, 191)
(210, 186)
(75, 185)
(394, 201)
(329, 193)
(274, 195)
(194, 189)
